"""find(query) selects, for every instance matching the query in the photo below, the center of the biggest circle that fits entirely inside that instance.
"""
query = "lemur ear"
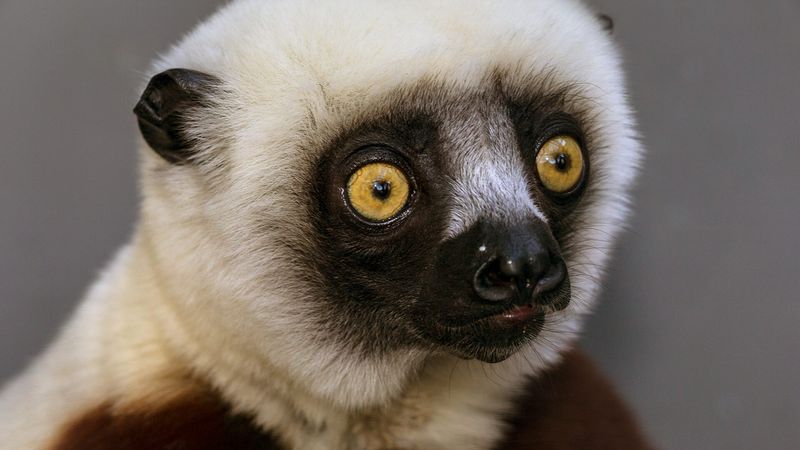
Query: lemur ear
(607, 22)
(163, 108)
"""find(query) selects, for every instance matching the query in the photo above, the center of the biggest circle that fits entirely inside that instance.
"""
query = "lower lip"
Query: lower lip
(517, 315)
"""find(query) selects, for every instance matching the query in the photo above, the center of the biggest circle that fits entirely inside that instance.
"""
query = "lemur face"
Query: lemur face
(348, 189)
(441, 221)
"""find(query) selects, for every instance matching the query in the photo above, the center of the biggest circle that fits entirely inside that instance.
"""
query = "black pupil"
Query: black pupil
(381, 189)
(562, 162)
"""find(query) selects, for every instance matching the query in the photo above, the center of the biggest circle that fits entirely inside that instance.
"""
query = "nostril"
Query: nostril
(552, 279)
(496, 280)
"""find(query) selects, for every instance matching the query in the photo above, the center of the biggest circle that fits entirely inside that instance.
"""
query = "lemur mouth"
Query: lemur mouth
(520, 319)
(495, 336)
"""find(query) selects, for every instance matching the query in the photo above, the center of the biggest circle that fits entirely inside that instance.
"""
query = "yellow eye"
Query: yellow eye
(560, 164)
(378, 191)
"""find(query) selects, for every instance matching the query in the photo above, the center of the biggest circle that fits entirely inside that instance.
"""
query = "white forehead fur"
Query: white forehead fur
(297, 71)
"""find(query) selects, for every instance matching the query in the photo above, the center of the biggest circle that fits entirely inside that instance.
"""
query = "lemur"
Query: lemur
(363, 225)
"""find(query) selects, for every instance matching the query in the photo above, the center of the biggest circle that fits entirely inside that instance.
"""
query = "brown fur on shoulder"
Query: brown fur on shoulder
(573, 407)
(198, 421)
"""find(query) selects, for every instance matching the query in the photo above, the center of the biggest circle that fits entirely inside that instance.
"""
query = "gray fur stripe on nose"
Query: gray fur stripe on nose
(493, 190)
(488, 179)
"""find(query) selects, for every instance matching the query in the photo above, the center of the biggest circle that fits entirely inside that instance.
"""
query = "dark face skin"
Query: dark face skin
(403, 282)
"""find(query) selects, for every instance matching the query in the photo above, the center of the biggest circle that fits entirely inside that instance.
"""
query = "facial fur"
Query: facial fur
(461, 97)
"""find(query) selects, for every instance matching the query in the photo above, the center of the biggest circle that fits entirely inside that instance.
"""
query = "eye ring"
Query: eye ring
(561, 165)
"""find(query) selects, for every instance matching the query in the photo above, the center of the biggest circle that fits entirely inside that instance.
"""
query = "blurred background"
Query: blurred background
(699, 326)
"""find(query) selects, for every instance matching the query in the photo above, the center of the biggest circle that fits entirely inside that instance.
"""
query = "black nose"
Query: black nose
(522, 266)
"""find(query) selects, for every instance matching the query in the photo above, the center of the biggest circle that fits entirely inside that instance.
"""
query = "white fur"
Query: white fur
(204, 283)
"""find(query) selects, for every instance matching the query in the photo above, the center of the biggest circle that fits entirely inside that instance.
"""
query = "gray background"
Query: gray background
(699, 323)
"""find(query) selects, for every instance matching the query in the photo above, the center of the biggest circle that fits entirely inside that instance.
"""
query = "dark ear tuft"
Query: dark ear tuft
(607, 22)
(162, 109)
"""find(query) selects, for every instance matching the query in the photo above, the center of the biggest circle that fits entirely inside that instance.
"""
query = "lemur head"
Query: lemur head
(342, 190)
